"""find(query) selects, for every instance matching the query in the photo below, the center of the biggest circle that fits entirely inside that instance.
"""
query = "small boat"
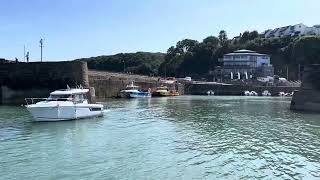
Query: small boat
(164, 91)
(161, 91)
(246, 93)
(133, 91)
(266, 93)
(291, 94)
(283, 94)
(253, 93)
(65, 104)
(210, 93)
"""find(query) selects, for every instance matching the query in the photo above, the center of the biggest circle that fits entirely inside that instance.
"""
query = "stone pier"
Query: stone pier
(38, 79)
(307, 98)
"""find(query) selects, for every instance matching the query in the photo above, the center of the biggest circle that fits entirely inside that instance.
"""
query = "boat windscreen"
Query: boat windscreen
(132, 87)
(62, 97)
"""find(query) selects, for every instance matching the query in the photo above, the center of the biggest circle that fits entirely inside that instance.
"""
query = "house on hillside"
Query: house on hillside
(244, 64)
(288, 31)
(314, 30)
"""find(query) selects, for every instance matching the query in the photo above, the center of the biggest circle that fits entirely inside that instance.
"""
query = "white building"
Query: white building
(246, 58)
(245, 64)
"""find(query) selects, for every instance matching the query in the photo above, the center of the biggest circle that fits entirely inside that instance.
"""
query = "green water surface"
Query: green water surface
(186, 137)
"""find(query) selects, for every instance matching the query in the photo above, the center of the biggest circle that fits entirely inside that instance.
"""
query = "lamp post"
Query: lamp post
(41, 46)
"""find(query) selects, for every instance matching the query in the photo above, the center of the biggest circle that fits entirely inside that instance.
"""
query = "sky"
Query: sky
(85, 28)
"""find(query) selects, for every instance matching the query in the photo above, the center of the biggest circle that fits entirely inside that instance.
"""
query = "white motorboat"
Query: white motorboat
(210, 93)
(266, 93)
(283, 94)
(252, 93)
(246, 93)
(132, 91)
(67, 104)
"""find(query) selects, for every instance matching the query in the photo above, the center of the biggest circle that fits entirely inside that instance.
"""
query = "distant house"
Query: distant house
(236, 39)
(294, 30)
(244, 64)
(314, 30)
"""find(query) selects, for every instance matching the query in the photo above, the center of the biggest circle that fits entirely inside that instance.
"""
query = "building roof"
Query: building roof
(245, 52)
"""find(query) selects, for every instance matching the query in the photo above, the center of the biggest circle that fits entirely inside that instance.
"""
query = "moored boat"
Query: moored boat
(252, 93)
(133, 91)
(164, 91)
(266, 93)
(210, 93)
(161, 91)
(65, 104)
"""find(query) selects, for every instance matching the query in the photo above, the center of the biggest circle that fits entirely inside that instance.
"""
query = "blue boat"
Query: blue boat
(133, 91)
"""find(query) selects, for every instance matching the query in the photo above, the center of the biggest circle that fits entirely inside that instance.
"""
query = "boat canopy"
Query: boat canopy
(132, 86)
(69, 91)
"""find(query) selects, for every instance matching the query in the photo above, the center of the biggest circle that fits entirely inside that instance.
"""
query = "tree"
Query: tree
(306, 50)
(253, 35)
(141, 62)
(223, 38)
(211, 41)
(245, 37)
(186, 45)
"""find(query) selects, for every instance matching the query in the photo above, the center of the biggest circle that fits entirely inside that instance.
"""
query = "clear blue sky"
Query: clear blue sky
(85, 28)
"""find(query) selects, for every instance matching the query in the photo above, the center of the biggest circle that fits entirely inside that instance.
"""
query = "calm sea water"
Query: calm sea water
(187, 137)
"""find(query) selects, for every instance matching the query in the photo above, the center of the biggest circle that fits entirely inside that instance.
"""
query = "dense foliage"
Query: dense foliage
(138, 63)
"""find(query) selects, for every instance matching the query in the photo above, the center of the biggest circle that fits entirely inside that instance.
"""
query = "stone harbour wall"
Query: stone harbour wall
(37, 79)
(108, 85)
(52, 75)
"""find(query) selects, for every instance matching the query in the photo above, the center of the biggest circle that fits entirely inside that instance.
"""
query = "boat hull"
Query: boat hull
(160, 94)
(135, 94)
(164, 94)
(62, 113)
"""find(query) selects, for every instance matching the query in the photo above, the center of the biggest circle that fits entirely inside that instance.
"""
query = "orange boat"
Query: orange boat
(164, 91)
